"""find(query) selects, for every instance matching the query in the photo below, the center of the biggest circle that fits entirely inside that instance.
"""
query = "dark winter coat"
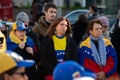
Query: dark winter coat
(79, 30)
(48, 55)
(115, 39)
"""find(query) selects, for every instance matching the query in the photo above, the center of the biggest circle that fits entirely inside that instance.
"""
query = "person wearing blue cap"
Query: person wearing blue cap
(19, 42)
(23, 17)
(12, 66)
(70, 70)
(22, 44)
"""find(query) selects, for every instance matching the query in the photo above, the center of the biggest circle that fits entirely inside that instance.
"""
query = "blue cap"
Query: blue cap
(69, 70)
(19, 60)
(19, 26)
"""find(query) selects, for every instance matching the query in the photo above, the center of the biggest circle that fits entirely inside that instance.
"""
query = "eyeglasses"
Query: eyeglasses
(20, 73)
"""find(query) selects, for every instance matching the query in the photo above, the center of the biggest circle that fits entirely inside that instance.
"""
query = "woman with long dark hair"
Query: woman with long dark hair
(57, 46)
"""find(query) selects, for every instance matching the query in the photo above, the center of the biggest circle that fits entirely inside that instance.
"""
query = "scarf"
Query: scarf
(100, 54)
(15, 39)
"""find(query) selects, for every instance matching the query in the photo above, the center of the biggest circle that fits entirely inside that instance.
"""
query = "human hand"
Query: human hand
(22, 45)
(100, 75)
(29, 50)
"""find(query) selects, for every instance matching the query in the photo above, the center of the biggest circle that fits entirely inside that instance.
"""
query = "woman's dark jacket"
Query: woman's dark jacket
(48, 55)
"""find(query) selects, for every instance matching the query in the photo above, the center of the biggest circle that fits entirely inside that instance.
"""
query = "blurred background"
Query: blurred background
(10, 8)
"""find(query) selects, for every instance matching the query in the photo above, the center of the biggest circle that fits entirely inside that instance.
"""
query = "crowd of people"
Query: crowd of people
(48, 51)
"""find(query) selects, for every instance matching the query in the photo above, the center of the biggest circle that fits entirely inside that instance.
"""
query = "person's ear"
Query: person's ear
(90, 31)
(7, 77)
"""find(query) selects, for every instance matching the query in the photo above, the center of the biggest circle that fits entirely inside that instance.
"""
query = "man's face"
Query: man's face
(50, 15)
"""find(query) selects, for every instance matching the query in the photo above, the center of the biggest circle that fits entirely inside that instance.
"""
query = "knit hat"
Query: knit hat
(18, 26)
(22, 16)
(11, 59)
(104, 20)
(69, 70)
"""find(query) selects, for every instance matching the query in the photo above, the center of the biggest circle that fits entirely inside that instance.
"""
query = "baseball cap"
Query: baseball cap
(69, 70)
(18, 26)
(22, 16)
(10, 59)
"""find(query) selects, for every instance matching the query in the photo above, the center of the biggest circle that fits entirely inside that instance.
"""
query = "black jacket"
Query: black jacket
(79, 30)
(48, 56)
(115, 39)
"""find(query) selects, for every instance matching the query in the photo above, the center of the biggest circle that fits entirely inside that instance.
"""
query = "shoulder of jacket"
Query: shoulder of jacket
(107, 41)
(86, 42)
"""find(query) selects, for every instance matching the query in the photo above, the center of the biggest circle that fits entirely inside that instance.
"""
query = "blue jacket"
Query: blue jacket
(87, 60)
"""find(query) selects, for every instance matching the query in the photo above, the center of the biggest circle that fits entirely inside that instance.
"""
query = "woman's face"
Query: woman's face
(20, 34)
(61, 28)
(96, 31)
(18, 75)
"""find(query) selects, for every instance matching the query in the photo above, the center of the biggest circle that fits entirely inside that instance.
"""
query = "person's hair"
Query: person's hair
(49, 5)
(82, 18)
(94, 8)
(9, 72)
(92, 22)
(52, 28)
(38, 16)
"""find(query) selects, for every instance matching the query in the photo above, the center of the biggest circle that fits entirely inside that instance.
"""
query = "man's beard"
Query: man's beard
(52, 20)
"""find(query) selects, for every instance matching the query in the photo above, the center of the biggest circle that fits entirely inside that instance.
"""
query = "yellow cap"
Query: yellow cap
(14, 26)
(6, 62)
(10, 59)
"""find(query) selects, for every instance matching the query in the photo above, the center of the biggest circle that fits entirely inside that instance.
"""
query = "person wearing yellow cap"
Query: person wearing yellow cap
(22, 44)
(19, 42)
(12, 66)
